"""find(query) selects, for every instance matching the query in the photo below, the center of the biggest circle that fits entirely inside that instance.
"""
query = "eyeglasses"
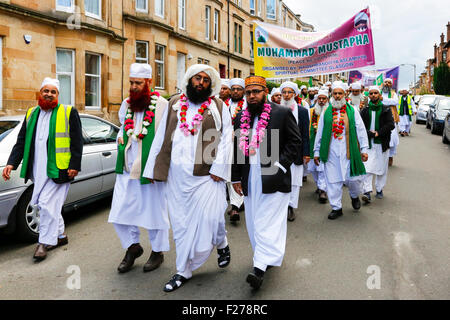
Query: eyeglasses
(254, 91)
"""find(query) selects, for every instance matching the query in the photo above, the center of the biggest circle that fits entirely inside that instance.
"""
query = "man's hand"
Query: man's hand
(306, 159)
(375, 133)
(7, 172)
(120, 140)
(364, 157)
(317, 160)
(216, 178)
(72, 173)
(238, 188)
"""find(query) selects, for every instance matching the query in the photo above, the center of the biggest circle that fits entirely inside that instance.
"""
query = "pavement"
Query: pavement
(394, 248)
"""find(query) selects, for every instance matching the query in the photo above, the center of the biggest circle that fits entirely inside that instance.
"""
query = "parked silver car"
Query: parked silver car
(424, 105)
(95, 180)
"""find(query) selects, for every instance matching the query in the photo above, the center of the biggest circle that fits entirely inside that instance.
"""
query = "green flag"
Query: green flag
(310, 82)
(379, 80)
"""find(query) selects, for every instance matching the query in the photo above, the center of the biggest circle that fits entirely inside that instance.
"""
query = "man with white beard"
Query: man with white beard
(343, 149)
(357, 99)
(390, 98)
(317, 171)
(288, 91)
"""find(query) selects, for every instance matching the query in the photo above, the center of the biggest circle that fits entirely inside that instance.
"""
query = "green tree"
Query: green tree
(271, 85)
(441, 79)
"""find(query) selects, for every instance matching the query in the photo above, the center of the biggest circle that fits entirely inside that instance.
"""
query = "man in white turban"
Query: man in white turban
(406, 109)
(341, 144)
(303, 92)
(356, 98)
(390, 98)
(311, 96)
(192, 151)
(275, 96)
(137, 202)
(50, 147)
(225, 90)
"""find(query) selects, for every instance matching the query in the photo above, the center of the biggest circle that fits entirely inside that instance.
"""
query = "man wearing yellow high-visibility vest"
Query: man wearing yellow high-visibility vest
(406, 109)
(50, 143)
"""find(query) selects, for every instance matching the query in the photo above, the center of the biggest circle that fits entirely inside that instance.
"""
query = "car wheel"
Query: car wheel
(27, 218)
(444, 137)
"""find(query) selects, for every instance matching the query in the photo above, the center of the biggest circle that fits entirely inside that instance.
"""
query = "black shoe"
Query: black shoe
(291, 214)
(356, 203)
(255, 278)
(366, 197)
(234, 216)
(323, 196)
(224, 257)
(154, 261)
(379, 195)
(174, 283)
(133, 252)
(305, 178)
(317, 191)
(335, 214)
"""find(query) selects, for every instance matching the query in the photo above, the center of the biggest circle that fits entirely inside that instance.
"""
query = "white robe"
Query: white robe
(265, 217)
(296, 173)
(133, 203)
(395, 139)
(48, 197)
(405, 124)
(196, 203)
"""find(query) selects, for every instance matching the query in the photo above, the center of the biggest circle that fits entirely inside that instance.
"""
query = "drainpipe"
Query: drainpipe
(228, 45)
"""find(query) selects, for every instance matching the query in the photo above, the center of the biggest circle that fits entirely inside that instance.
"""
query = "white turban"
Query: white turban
(53, 82)
(141, 70)
(237, 82)
(328, 83)
(289, 84)
(374, 88)
(302, 87)
(323, 92)
(275, 91)
(210, 71)
(311, 89)
(356, 86)
(389, 79)
(338, 84)
(403, 89)
(226, 83)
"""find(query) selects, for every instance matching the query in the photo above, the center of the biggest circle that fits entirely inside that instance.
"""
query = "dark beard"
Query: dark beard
(311, 96)
(139, 101)
(195, 96)
(255, 109)
(236, 100)
(46, 104)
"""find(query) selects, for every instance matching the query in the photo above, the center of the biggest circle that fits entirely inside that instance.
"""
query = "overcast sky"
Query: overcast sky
(404, 31)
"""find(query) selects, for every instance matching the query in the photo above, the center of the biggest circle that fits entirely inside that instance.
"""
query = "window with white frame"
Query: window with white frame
(93, 8)
(252, 6)
(160, 66)
(65, 5)
(159, 8)
(142, 5)
(216, 25)
(207, 22)
(65, 73)
(141, 51)
(93, 81)
(260, 7)
(182, 14)
(271, 10)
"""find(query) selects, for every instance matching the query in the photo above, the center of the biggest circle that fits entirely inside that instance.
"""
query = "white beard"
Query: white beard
(318, 109)
(337, 104)
(288, 103)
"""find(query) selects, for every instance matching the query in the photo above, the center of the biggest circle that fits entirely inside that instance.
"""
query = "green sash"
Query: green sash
(146, 145)
(377, 108)
(356, 165)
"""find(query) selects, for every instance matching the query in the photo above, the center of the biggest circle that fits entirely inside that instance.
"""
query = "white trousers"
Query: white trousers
(404, 125)
(49, 203)
(159, 239)
(380, 182)
(293, 197)
(319, 179)
(235, 198)
(334, 191)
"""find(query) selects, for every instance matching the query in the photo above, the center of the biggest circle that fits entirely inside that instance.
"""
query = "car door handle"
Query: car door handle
(106, 154)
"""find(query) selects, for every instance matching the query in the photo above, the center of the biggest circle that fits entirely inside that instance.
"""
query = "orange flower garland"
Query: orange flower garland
(338, 123)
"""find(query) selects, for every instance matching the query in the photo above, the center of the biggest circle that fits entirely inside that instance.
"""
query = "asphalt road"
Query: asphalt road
(404, 238)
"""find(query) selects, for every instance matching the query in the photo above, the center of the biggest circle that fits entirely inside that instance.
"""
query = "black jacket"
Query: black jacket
(76, 148)
(289, 144)
(303, 126)
(386, 125)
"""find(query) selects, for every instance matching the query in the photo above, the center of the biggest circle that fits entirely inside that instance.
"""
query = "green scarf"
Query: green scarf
(377, 108)
(312, 135)
(52, 169)
(402, 107)
(146, 145)
(356, 165)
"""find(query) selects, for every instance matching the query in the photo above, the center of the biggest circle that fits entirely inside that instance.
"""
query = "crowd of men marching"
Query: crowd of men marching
(182, 163)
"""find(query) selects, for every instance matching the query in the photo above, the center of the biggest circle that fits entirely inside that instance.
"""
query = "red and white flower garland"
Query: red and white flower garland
(338, 123)
(196, 120)
(238, 108)
(146, 122)
(250, 149)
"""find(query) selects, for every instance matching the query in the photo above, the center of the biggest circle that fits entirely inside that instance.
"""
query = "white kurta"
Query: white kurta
(196, 203)
(48, 196)
(133, 203)
(405, 124)
(265, 217)
(395, 139)
(296, 173)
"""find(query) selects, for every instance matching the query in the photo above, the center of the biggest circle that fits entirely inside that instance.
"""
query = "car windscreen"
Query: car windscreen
(427, 100)
(444, 105)
(6, 126)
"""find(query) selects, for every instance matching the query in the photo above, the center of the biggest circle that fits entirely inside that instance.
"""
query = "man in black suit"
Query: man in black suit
(261, 172)
(289, 92)
(50, 143)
